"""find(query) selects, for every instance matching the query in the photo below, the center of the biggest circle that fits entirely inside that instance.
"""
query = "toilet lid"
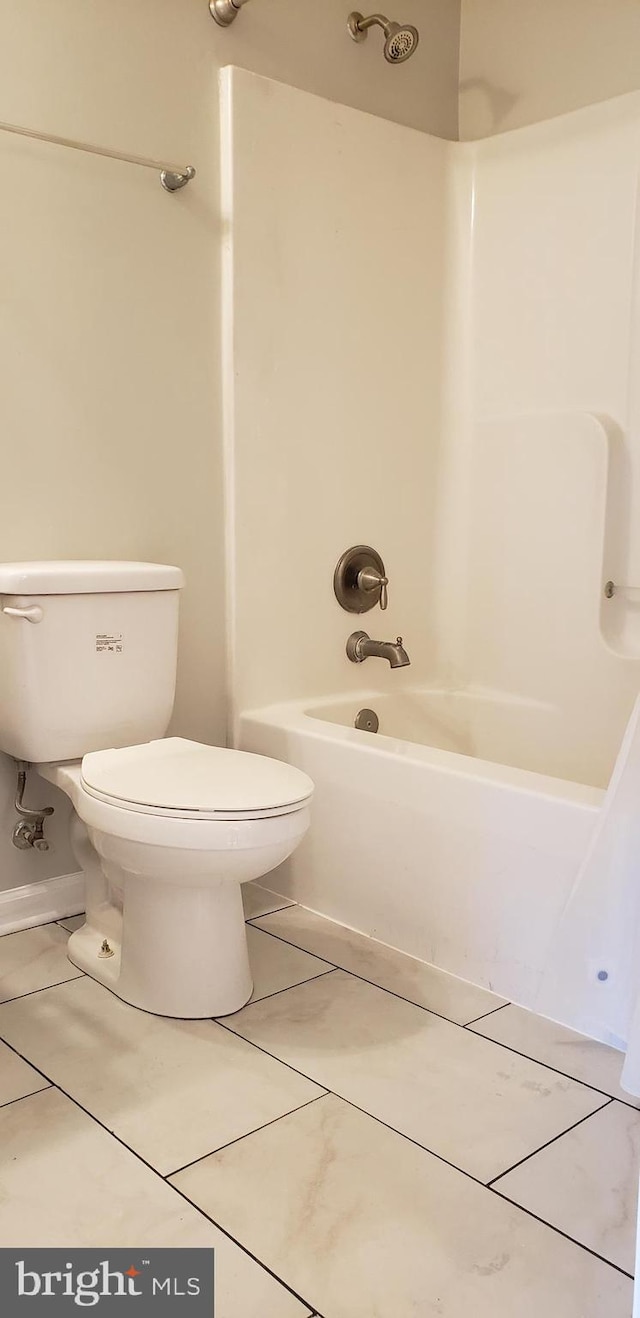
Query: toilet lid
(179, 777)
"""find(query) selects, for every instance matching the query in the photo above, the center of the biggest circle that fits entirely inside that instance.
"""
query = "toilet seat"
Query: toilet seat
(181, 779)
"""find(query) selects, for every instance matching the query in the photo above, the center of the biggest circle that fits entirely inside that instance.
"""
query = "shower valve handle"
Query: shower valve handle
(370, 579)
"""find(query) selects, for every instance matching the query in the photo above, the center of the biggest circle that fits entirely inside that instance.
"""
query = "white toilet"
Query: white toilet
(164, 830)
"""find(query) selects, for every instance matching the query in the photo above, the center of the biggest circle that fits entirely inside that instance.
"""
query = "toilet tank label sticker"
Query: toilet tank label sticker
(176, 1283)
(109, 642)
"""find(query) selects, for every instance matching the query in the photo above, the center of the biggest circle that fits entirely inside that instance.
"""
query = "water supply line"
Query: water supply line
(28, 832)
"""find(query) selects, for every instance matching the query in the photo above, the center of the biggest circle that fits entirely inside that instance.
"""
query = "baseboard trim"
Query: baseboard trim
(39, 903)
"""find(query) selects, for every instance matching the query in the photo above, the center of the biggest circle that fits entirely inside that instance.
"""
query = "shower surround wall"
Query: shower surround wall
(442, 369)
(335, 268)
(434, 359)
(542, 476)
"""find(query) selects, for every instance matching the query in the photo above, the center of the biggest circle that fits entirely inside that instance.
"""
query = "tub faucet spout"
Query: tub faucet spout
(361, 647)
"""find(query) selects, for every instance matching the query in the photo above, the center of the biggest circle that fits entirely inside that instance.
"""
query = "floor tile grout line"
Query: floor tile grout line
(329, 1092)
(429, 1010)
(4, 1002)
(37, 1070)
(154, 1170)
(42, 1090)
(238, 1242)
(364, 1111)
(234, 1239)
(28, 1063)
(262, 915)
(60, 919)
(491, 1185)
(454, 1166)
(466, 1028)
(333, 966)
(54, 1084)
(467, 1025)
(461, 1170)
(566, 1074)
(478, 1034)
(222, 1023)
(558, 1230)
(43, 924)
(253, 1002)
(554, 1140)
(372, 982)
(220, 1148)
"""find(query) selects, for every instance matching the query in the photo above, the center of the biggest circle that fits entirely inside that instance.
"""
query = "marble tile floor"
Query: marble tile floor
(368, 1138)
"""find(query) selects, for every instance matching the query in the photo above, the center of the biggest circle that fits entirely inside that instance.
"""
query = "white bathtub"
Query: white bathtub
(439, 835)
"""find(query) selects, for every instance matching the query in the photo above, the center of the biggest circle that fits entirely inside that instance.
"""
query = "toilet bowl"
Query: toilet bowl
(166, 833)
(164, 829)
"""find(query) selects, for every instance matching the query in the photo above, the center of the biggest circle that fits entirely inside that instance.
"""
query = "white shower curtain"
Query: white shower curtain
(592, 976)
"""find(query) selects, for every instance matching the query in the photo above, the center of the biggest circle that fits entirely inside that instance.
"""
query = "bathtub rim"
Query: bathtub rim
(294, 716)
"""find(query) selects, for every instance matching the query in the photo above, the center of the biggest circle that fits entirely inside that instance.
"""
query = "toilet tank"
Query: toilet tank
(88, 656)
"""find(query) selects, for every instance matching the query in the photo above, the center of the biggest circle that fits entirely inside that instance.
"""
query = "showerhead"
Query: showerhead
(401, 39)
(401, 42)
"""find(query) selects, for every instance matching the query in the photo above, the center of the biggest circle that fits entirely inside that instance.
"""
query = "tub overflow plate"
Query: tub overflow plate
(367, 720)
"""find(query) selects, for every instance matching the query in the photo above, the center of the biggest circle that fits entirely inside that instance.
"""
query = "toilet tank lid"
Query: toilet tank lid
(86, 577)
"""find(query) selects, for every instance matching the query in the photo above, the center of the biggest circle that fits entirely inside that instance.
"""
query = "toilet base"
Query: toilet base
(170, 908)
(186, 959)
(181, 954)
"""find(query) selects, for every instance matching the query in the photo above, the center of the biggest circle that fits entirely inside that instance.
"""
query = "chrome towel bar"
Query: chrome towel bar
(172, 177)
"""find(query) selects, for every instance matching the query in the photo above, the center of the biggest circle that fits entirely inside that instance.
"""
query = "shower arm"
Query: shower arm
(225, 11)
(374, 20)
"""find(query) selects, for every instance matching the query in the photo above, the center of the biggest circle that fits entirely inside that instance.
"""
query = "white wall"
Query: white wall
(336, 255)
(109, 321)
(526, 60)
